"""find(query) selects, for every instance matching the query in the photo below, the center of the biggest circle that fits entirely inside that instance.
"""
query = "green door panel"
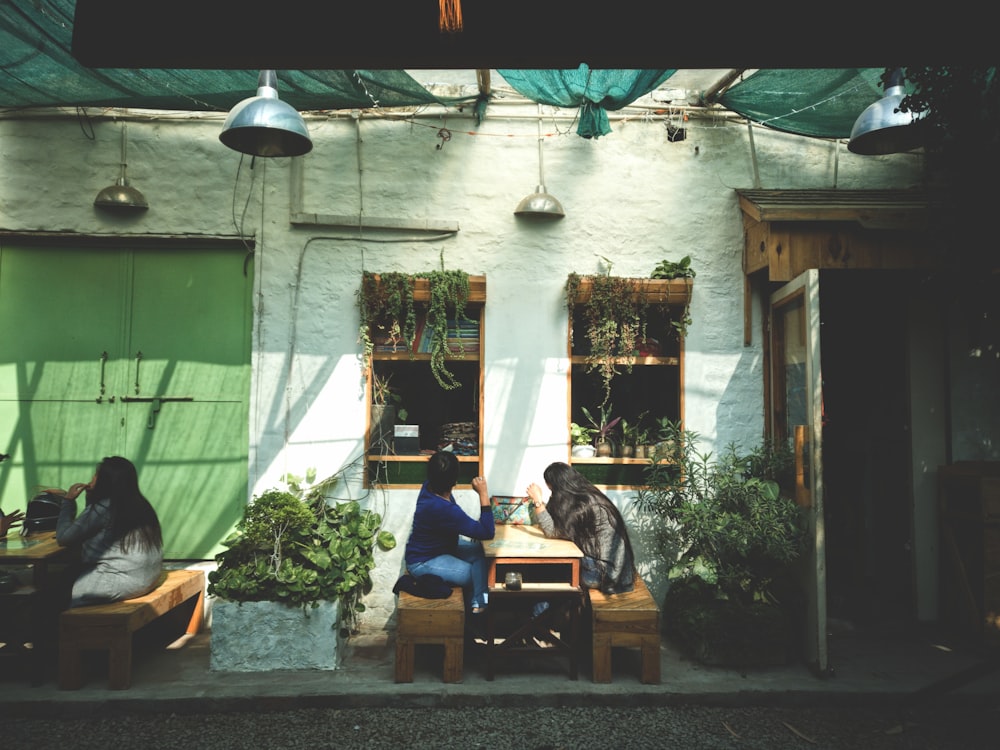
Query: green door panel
(53, 444)
(62, 315)
(193, 468)
(191, 322)
(143, 353)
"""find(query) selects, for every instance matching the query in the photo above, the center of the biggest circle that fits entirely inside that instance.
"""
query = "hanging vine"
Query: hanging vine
(388, 312)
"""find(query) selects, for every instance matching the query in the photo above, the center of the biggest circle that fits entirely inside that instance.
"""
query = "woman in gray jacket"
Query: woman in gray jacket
(118, 532)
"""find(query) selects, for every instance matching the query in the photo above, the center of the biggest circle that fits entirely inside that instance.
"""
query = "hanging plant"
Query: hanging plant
(614, 319)
(385, 304)
(388, 313)
(449, 292)
(615, 314)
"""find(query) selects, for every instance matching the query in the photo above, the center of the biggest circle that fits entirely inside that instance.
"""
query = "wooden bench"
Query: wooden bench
(109, 627)
(632, 620)
(430, 621)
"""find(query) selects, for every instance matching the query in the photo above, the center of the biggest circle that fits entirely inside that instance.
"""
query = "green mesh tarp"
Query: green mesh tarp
(37, 69)
(593, 91)
(822, 102)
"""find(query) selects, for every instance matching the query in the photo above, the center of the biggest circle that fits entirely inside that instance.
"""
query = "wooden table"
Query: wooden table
(550, 571)
(37, 550)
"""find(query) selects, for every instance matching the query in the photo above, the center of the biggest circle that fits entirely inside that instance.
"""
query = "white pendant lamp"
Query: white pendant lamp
(263, 125)
(121, 196)
(882, 128)
(540, 204)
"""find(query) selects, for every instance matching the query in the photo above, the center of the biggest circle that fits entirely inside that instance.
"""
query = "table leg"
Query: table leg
(490, 640)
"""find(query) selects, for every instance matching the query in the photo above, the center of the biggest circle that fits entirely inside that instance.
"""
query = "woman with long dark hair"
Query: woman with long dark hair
(118, 533)
(580, 512)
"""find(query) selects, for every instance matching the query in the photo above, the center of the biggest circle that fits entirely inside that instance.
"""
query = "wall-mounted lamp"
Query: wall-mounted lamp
(882, 128)
(263, 125)
(540, 204)
(121, 196)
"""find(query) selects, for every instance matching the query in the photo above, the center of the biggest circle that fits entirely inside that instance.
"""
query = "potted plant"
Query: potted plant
(289, 584)
(389, 315)
(582, 439)
(729, 535)
(387, 404)
(603, 428)
(630, 437)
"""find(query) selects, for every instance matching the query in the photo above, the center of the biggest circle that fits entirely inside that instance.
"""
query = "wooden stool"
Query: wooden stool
(434, 621)
(631, 619)
(109, 627)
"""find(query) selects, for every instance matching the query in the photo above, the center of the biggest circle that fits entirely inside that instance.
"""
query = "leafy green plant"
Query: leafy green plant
(294, 547)
(580, 435)
(728, 533)
(670, 269)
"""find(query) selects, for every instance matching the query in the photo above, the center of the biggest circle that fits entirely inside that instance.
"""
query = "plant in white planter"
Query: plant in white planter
(301, 560)
(581, 438)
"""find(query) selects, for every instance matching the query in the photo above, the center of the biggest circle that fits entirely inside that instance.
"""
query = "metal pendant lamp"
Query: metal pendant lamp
(540, 204)
(121, 196)
(263, 125)
(882, 128)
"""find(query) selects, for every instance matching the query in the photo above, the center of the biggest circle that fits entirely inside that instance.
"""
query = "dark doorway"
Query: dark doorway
(866, 448)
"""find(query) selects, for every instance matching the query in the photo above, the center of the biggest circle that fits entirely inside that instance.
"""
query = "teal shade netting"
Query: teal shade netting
(593, 91)
(821, 103)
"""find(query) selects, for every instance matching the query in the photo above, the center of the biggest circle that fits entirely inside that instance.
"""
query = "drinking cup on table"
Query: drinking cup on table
(512, 581)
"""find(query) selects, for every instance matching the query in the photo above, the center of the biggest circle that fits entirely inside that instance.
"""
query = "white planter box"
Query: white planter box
(267, 636)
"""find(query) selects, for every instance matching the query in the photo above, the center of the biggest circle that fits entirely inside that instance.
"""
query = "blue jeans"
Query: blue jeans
(466, 568)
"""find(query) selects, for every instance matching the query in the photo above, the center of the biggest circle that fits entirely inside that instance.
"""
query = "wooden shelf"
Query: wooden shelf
(581, 359)
(417, 457)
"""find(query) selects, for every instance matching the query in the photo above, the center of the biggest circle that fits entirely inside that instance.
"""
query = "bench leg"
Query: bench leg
(454, 651)
(120, 664)
(650, 660)
(404, 660)
(602, 657)
(194, 624)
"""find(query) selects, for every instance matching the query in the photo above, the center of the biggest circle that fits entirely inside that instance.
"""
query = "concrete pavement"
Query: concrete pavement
(895, 667)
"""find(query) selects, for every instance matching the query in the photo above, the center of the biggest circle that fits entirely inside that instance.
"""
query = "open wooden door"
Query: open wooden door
(797, 416)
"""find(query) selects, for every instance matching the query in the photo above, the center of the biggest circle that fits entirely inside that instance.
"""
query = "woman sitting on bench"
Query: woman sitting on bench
(121, 543)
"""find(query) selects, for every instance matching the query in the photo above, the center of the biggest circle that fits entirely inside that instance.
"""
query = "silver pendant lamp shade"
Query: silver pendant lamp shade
(121, 196)
(540, 204)
(263, 125)
(882, 128)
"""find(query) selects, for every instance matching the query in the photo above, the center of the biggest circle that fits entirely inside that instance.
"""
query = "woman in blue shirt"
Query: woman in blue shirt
(435, 547)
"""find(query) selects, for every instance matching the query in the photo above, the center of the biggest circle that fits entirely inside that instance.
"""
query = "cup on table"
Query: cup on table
(512, 581)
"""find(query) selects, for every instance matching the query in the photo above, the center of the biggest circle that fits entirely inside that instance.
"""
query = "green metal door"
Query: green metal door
(149, 358)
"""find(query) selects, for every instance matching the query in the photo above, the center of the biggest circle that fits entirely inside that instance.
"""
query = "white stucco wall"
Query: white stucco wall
(631, 196)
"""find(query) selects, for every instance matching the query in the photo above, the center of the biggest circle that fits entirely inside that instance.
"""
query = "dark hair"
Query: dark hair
(574, 505)
(442, 472)
(133, 518)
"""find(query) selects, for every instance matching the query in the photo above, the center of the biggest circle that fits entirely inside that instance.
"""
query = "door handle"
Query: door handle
(157, 402)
